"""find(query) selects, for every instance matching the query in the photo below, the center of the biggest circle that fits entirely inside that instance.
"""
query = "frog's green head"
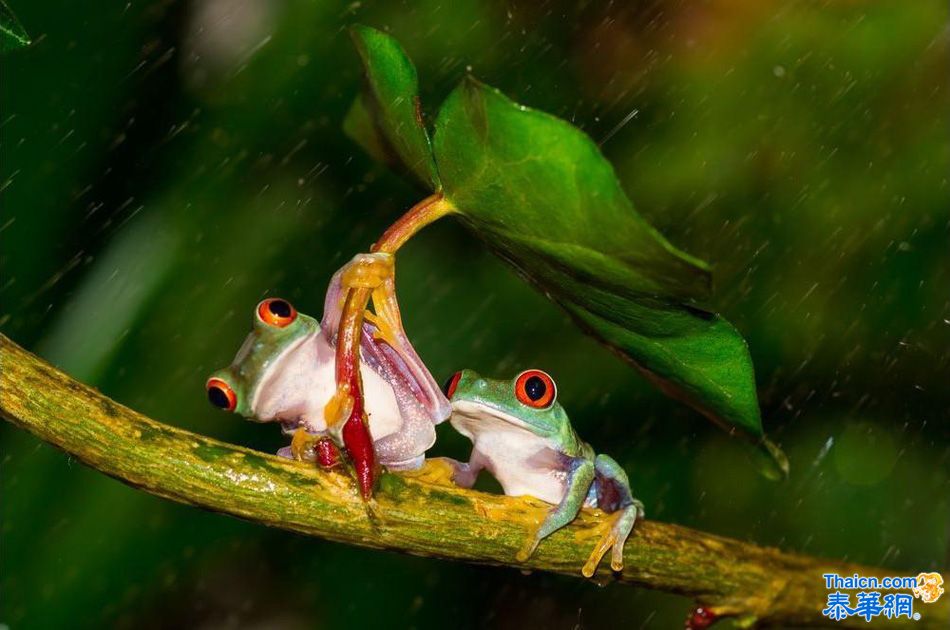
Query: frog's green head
(529, 400)
(278, 329)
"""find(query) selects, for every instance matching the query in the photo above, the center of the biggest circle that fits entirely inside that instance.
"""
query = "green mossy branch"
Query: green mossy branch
(755, 584)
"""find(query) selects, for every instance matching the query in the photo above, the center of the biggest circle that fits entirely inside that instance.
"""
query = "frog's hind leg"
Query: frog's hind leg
(384, 344)
(613, 495)
(397, 351)
(579, 479)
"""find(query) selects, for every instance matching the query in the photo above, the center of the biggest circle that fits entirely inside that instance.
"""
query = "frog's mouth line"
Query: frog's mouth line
(480, 412)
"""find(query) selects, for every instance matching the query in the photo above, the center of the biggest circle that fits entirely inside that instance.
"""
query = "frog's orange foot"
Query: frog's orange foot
(338, 408)
(302, 446)
(620, 525)
(368, 271)
(436, 471)
(607, 541)
(385, 328)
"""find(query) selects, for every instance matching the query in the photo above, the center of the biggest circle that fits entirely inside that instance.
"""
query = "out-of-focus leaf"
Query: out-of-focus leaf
(387, 120)
(111, 298)
(539, 192)
(12, 33)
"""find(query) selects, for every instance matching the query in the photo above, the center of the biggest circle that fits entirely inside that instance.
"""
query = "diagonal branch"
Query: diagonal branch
(726, 576)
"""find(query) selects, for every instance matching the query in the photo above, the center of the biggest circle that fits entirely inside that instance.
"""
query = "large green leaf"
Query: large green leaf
(12, 33)
(387, 118)
(543, 197)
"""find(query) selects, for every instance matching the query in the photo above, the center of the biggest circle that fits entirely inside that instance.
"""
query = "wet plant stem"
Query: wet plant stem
(726, 577)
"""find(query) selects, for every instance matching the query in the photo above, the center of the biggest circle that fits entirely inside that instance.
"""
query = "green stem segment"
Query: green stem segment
(727, 577)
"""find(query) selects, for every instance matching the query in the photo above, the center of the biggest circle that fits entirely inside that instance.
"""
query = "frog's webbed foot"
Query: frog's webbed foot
(446, 471)
(386, 318)
(437, 470)
(614, 495)
(621, 524)
(579, 479)
(377, 272)
(368, 271)
(301, 445)
(364, 271)
(307, 447)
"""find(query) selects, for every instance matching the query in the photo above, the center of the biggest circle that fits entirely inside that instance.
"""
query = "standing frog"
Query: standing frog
(285, 372)
(524, 438)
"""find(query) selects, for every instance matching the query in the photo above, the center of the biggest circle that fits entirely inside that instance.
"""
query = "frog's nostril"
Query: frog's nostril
(481, 383)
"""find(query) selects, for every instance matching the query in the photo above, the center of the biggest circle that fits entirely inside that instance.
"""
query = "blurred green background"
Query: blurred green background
(164, 165)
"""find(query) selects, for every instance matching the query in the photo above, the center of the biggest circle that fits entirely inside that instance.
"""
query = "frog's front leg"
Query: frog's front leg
(345, 414)
(613, 495)
(448, 471)
(580, 476)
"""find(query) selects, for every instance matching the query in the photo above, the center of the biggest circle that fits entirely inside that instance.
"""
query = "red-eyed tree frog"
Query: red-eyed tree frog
(522, 435)
(284, 372)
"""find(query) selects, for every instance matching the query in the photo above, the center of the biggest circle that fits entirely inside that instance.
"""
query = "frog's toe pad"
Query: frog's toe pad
(607, 541)
(528, 548)
(616, 560)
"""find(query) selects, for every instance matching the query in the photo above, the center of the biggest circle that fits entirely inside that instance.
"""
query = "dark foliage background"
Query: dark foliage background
(164, 165)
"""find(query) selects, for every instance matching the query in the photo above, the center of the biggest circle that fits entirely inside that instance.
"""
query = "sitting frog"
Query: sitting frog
(524, 438)
(285, 372)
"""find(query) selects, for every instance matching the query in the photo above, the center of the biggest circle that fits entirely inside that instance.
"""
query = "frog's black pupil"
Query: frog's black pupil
(280, 308)
(218, 398)
(535, 388)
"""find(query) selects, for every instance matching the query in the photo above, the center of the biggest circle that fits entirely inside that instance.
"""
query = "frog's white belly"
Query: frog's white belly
(522, 462)
(305, 382)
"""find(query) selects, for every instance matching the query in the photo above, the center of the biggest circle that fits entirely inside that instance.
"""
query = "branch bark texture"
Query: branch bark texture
(731, 578)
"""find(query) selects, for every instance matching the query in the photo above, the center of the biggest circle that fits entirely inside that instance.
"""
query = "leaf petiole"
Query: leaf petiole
(349, 382)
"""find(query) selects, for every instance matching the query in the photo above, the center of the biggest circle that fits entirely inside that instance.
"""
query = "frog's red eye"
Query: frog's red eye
(221, 395)
(451, 384)
(276, 312)
(535, 389)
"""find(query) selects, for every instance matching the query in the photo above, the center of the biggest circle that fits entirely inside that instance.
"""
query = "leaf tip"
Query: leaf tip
(359, 33)
(359, 30)
(775, 463)
(12, 33)
(12, 41)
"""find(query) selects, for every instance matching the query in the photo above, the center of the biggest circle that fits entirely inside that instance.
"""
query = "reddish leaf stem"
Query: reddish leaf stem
(356, 436)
